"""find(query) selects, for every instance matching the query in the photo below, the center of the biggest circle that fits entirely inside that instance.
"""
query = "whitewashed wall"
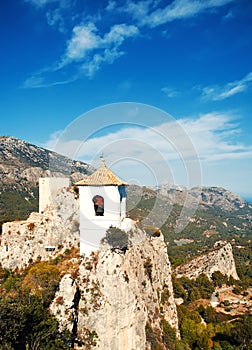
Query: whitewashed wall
(48, 188)
(93, 228)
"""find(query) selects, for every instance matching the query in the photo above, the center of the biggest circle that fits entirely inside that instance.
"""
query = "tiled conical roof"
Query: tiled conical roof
(101, 177)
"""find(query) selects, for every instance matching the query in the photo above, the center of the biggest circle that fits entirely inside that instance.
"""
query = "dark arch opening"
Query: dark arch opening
(98, 205)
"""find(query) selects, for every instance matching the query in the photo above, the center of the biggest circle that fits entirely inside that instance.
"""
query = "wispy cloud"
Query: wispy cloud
(217, 93)
(35, 82)
(55, 18)
(173, 151)
(169, 92)
(213, 135)
(88, 46)
(88, 50)
(147, 13)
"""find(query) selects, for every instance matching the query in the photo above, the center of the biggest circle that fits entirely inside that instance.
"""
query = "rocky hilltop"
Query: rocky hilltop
(114, 298)
(41, 236)
(120, 297)
(218, 259)
(21, 166)
(117, 298)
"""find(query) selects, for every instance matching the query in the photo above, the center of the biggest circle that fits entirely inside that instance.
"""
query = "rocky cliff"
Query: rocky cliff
(21, 166)
(41, 235)
(219, 259)
(117, 294)
(117, 297)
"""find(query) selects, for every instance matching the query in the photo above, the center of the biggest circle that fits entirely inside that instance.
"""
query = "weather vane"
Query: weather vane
(102, 156)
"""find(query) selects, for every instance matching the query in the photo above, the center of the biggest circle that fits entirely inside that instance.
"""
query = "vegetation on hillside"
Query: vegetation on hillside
(209, 225)
(26, 295)
(17, 205)
(26, 323)
(201, 327)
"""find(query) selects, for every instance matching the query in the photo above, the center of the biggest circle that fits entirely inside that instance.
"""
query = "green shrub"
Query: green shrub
(116, 238)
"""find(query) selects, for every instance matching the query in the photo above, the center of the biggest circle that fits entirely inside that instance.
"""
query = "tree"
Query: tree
(241, 333)
(205, 286)
(116, 238)
(26, 324)
(219, 279)
(42, 280)
(178, 290)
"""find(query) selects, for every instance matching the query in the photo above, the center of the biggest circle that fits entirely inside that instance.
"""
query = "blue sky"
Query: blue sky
(192, 59)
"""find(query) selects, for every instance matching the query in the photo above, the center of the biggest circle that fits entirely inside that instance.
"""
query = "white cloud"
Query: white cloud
(138, 10)
(147, 13)
(212, 135)
(91, 49)
(169, 92)
(88, 51)
(37, 81)
(170, 151)
(217, 93)
(55, 18)
(84, 39)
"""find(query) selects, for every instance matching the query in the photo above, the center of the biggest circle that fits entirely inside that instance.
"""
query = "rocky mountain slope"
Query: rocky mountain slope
(216, 210)
(118, 299)
(21, 166)
(114, 298)
(119, 295)
(218, 259)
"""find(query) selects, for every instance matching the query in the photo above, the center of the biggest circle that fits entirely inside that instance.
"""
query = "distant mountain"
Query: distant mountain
(207, 197)
(21, 166)
(220, 215)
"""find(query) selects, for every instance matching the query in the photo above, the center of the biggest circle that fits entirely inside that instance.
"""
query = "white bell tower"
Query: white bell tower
(102, 204)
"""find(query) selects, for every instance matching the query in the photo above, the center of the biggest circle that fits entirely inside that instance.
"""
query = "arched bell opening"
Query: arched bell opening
(98, 205)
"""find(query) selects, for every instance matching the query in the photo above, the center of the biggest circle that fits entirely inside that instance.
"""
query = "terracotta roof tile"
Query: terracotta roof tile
(101, 177)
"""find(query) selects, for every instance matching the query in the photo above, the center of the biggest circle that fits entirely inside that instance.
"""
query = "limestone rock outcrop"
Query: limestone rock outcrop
(41, 235)
(119, 293)
(219, 259)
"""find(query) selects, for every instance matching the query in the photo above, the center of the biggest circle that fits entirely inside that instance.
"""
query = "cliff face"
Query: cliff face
(41, 235)
(118, 293)
(220, 259)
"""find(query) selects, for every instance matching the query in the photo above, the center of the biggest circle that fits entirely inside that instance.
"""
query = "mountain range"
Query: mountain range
(137, 289)
(21, 166)
(218, 213)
